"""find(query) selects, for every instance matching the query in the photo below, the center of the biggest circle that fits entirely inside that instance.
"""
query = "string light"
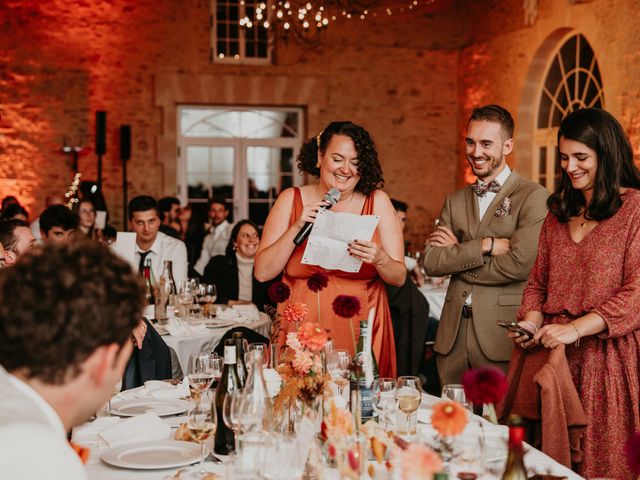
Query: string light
(297, 17)
(72, 190)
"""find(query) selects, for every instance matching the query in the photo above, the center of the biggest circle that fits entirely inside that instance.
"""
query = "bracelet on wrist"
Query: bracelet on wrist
(491, 246)
(577, 344)
(535, 328)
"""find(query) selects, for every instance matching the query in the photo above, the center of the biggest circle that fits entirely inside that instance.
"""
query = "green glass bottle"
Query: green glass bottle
(515, 470)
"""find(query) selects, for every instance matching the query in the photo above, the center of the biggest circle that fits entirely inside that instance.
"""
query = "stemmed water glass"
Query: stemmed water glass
(338, 362)
(200, 374)
(455, 392)
(216, 365)
(384, 398)
(260, 347)
(409, 397)
(202, 425)
(206, 295)
(231, 413)
(186, 291)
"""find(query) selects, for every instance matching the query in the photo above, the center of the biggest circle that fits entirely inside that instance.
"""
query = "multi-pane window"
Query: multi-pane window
(246, 156)
(235, 43)
(572, 81)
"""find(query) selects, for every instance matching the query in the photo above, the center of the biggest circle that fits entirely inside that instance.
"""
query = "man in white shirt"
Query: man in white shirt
(215, 243)
(153, 244)
(57, 368)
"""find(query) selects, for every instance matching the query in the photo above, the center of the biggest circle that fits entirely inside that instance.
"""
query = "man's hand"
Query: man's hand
(138, 334)
(500, 246)
(442, 237)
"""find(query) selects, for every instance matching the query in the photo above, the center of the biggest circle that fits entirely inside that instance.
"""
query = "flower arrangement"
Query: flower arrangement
(485, 386)
(279, 292)
(301, 369)
(632, 453)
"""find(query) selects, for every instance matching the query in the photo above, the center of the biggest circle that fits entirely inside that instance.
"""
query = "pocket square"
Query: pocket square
(504, 208)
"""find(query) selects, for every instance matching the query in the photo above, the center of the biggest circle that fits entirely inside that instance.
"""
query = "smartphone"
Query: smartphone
(514, 327)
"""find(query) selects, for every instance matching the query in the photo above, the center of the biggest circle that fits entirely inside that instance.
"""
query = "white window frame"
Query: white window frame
(241, 58)
(240, 145)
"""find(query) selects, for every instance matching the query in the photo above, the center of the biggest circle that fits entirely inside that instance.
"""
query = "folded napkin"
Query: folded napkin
(239, 314)
(143, 428)
(250, 312)
(155, 389)
(87, 434)
(273, 381)
(180, 328)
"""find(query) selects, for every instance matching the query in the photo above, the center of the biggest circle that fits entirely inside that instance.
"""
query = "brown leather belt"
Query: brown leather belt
(467, 311)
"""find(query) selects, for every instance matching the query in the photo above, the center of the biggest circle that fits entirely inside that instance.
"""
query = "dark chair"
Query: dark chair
(152, 362)
(251, 335)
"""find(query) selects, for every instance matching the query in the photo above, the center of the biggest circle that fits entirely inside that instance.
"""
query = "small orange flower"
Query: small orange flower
(295, 312)
(312, 336)
(449, 418)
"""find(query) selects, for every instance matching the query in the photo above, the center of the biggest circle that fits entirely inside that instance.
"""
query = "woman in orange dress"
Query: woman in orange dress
(342, 156)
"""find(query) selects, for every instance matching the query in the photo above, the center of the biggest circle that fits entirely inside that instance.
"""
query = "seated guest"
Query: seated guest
(48, 201)
(15, 211)
(58, 224)
(232, 273)
(86, 213)
(219, 232)
(57, 368)
(2, 261)
(153, 244)
(16, 238)
(169, 209)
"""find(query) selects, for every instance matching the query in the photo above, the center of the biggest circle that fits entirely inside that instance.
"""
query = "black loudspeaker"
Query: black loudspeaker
(125, 142)
(101, 133)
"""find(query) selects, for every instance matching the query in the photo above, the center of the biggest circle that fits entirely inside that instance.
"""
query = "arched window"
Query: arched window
(572, 81)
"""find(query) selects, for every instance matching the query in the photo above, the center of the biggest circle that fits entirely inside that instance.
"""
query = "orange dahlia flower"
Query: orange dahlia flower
(449, 418)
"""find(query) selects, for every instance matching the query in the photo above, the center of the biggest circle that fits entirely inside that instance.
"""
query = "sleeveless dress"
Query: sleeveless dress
(365, 284)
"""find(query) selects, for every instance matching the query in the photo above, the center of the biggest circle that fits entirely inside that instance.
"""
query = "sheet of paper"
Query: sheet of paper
(101, 219)
(331, 233)
(125, 247)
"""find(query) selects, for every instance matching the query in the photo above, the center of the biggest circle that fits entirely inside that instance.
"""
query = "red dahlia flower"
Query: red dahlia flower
(485, 385)
(317, 281)
(279, 292)
(346, 306)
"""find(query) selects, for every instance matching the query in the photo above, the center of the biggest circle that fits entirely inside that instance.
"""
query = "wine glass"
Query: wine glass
(455, 393)
(200, 374)
(384, 398)
(409, 396)
(338, 362)
(202, 424)
(216, 364)
(231, 413)
(186, 296)
(206, 296)
(260, 347)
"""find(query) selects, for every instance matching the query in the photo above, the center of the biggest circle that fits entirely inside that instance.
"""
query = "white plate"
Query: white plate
(157, 406)
(153, 455)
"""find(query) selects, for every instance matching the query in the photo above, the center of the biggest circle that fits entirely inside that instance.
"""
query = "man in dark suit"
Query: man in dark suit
(487, 241)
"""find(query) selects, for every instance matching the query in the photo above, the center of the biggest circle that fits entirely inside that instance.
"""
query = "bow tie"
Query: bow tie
(481, 189)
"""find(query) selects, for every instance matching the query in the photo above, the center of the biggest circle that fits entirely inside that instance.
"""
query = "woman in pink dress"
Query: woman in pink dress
(342, 156)
(584, 290)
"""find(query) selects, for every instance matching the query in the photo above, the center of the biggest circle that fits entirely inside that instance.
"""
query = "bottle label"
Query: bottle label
(229, 354)
(366, 400)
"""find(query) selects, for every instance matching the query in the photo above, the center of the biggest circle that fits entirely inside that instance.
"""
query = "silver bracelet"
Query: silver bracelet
(535, 328)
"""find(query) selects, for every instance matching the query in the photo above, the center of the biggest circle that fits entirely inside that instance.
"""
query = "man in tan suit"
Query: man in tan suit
(486, 240)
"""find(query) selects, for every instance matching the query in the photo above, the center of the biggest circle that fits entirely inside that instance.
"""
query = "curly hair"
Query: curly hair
(369, 167)
(59, 303)
(601, 132)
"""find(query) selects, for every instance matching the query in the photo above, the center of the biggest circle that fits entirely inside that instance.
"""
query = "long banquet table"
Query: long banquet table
(536, 461)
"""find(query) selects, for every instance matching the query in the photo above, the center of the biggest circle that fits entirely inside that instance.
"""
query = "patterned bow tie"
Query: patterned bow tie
(481, 189)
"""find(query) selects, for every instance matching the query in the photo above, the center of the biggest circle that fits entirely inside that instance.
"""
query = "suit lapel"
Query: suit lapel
(506, 190)
(473, 211)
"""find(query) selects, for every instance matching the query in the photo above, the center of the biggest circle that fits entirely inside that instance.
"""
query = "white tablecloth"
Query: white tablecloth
(185, 346)
(534, 459)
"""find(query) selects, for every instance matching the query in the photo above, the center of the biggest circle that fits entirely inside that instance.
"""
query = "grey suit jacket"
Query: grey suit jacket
(495, 282)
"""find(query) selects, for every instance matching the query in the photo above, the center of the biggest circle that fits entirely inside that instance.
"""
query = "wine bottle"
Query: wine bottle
(149, 293)
(240, 363)
(166, 298)
(514, 469)
(362, 377)
(229, 382)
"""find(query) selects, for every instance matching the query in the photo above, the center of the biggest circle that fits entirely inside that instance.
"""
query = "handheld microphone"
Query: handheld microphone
(332, 196)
